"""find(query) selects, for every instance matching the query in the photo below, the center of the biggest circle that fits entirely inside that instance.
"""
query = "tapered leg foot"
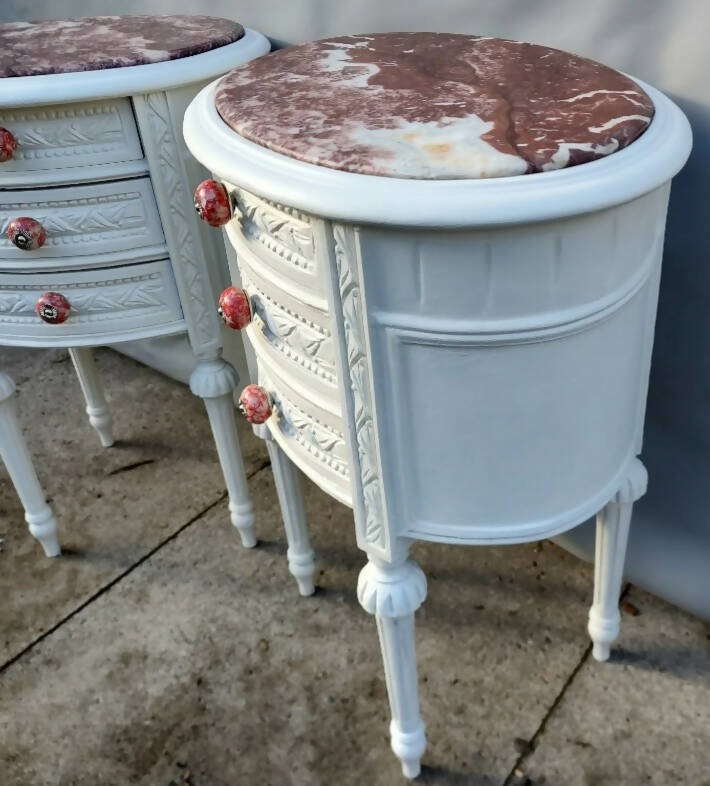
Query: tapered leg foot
(96, 407)
(613, 523)
(393, 592)
(43, 526)
(214, 381)
(17, 460)
(300, 555)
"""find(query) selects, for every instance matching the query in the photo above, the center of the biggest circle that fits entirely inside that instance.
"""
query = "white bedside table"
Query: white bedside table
(99, 242)
(450, 249)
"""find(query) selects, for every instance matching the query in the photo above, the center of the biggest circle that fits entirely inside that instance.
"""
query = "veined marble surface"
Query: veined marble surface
(95, 43)
(433, 105)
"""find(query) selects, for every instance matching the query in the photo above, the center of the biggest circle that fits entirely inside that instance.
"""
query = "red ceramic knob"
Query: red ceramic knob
(26, 233)
(234, 308)
(52, 307)
(212, 203)
(255, 403)
(8, 145)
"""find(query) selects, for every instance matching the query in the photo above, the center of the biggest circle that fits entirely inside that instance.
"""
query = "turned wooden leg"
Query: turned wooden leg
(613, 523)
(16, 457)
(301, 558)
(96, 407)
(393, 592)
(214, 381)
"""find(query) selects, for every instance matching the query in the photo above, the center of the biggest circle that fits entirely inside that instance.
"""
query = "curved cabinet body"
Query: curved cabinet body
(494, 379)
(508, 367)
(482, 347)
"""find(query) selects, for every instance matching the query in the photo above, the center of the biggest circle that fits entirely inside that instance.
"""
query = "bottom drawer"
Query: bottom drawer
(107, 305)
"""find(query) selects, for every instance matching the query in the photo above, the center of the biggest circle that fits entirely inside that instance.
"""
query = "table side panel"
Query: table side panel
(174, 172)
(544, 381)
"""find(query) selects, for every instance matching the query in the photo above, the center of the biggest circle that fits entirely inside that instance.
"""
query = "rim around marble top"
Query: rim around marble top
(44, 89)
(653, 159)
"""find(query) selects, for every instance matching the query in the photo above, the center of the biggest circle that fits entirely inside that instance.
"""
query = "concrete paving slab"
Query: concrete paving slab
(113, 504)
(203, 666)
(641, 719)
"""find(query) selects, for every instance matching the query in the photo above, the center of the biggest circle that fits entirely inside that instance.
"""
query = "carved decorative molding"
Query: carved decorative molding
(391, 591)
(321, 441)
(354, 325)
(89, 300)
(305, 342)
(67, 131)
(81, 220)
(284, 232)
(182, 222)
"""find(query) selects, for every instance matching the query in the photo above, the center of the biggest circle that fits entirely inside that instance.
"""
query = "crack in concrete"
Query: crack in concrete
(532, 743)
(101, 591)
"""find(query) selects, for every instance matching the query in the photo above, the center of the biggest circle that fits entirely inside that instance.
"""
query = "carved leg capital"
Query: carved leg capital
(391, 590)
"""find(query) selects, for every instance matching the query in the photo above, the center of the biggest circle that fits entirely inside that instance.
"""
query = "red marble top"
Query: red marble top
(433, 105)
(95, 43)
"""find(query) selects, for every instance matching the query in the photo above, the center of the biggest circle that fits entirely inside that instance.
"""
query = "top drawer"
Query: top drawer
(70, 143)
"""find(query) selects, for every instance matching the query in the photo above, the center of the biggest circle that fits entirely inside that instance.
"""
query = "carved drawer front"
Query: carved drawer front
(292, 334)
(103, 223)
(106, 305)
(312, 436)
(71, 143)
(280, 243)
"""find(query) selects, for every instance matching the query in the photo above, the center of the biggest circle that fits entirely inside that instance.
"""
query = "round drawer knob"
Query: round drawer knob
(255, 403)
(234, 308)
(53, 308)
(212, 203)
(8, 145)
(26, 233)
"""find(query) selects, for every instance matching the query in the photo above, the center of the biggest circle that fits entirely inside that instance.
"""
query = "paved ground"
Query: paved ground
(157, 651)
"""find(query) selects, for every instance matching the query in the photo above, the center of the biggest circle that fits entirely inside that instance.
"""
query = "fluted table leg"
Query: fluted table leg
(96, 407)
(393, 592)
(214, 381)
(613, 523)
(16, 457)
(301, 558)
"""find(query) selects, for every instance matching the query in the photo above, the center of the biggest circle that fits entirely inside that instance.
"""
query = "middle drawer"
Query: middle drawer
(104, 223)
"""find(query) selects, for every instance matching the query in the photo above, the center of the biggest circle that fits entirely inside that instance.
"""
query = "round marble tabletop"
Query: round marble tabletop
(433, 106)
(100, 42)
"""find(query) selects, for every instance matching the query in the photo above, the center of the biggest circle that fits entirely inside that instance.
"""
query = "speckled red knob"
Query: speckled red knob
(212, 203)
(26, 233)
(255, 403)
(53, 308)
(234, 308)
(8, 145)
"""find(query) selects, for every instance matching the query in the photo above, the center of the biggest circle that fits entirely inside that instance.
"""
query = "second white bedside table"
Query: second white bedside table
(99, 242)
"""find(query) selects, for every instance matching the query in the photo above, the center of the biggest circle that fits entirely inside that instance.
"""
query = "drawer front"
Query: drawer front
(71, 143)
(312, 437)
(104, 222)
(107, 305)
(283, 240)
(292, 337)
(290, 332)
